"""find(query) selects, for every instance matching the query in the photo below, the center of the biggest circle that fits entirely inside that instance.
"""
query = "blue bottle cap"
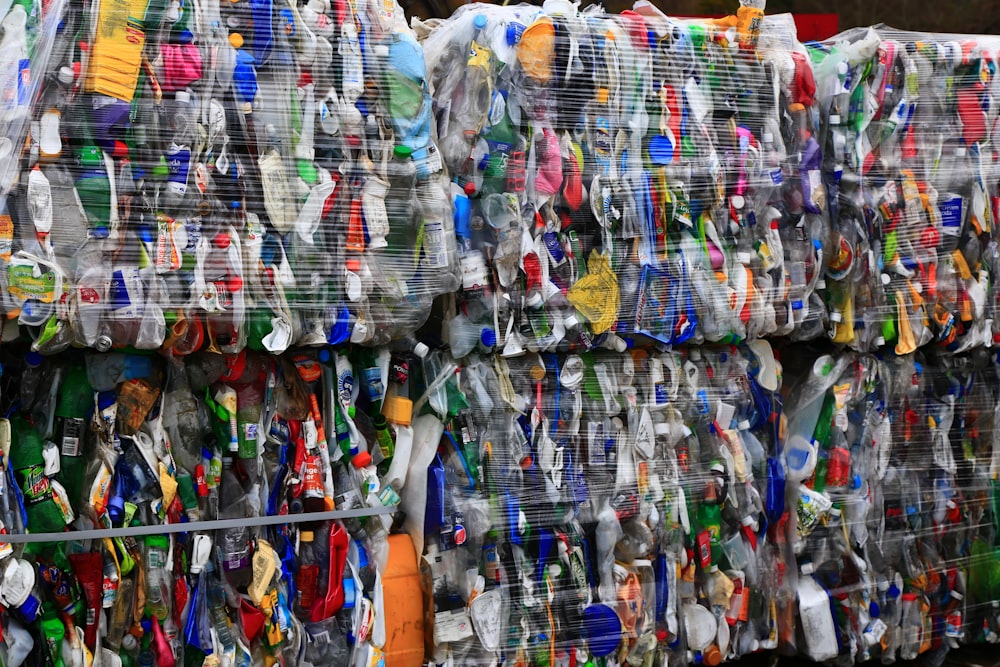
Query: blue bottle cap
(350, 593)
(29, 608)
(603, 629)
(185, 36)
(106, 399)
(514, 32)
(893, 591)
(324, 355)
(488, 338)
(479, 21)
(33, 359)
(661, 150)
(873, 609)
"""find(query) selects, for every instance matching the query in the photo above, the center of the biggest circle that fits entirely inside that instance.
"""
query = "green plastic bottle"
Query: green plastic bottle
(44, 515)
(53, 632)
(502, 140)
(73, 408)
(710, 519)
(821, 435)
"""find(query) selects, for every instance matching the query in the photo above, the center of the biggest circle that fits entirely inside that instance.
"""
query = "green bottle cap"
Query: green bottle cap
(161, 170)
(91, 156)
(307, 172)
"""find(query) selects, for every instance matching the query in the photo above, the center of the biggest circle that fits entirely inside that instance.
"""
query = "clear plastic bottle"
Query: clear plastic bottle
(217, 611)
(399, 259)
(911, 628)
(234, 543)
(307, 577)
(159, 583)
(181, 123)
(464, 336)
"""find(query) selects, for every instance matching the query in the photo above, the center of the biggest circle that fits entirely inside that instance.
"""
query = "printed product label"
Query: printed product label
(34, 484)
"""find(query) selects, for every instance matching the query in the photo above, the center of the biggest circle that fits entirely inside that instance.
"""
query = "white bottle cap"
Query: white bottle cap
(421, 350)
(534, 300)
(807, 568)
(661, 428)
(66, 75)
(767, 137)
(183, 96)
(834, 119)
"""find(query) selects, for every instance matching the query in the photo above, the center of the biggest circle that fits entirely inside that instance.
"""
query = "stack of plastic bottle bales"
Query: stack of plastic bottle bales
(533, 336)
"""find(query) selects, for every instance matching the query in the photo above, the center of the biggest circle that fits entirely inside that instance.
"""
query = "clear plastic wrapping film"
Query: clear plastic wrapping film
(530, 336)
(224, 174)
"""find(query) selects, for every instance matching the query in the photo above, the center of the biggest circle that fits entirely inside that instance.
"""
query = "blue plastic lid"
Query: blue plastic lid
(29, 608)
(324, 355)
(873, 610)
(479, 21)
(106, 399)
(514, 32)
(185, 36)
(661, 150)
(603, 629)
(350, 593)
(488, 337)
(893, 591)
(33, 359)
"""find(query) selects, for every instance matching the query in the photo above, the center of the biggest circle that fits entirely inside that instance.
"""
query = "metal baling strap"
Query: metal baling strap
(193, 526)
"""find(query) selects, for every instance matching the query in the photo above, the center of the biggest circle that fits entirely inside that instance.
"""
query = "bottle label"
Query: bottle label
(474, 272)
(435, 255)
(178, 164)
(35, 486)
(23, 284)
(595, 440)
(704, 549)
(451, 626)
(953, 625)
(109, 591)
(72, 435)
(602, 144)
(6, 237)
(499, 157)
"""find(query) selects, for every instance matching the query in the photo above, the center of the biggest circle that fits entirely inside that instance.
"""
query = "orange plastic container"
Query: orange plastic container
(404, 605)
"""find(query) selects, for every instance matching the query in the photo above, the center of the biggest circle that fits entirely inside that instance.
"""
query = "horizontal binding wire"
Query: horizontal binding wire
(194, 526)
